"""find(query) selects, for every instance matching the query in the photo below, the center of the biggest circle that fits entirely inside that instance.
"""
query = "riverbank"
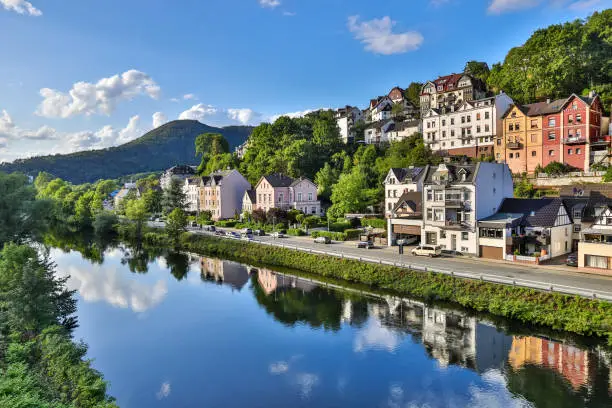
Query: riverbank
(573, 314)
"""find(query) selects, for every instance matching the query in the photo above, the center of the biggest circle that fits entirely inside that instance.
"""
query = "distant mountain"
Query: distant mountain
(159, 149)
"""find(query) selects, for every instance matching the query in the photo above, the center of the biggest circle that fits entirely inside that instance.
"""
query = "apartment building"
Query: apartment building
(400, 181)
(567, 130)
(450, 90)
(456, 197)
(379, 132)
(346, 118)
(221, 193)
(180, 172)
(468, 129)
(191, 188)
(284, 192)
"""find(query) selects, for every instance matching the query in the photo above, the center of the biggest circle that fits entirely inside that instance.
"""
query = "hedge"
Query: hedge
(339, 226)
(336, 236)
(574, 314)
(374, 223)
(352, 234)
(226, 224)
(296, 232)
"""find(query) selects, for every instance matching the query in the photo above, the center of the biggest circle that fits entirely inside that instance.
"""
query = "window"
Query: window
(551, 136)
(439, 195)
(534, 123)
(518, 155)
(310, 195)
(577, 228)
(465, 236)
(444, 133)
(499, 142)
(438, 214)
(578, 132)
(533, 153)
(313, 210)
(552, 122)
(578, 117)
(443, 122)
(517, 126)
(578, 151)
(280, 198)
(478, 116)
(429, 195)
(569, 151)
(428, 125)
(511, 155)
(534, 138)
(453, 133)
(442, 234)
(486, 115)
(452, 144)
(595, 261)
(566, 233)
(570, 118)
(551, 153)
(574, 106)
(452, 121)
(477, 129)
(469, 118)
(299, 197)
(510, 127)
(486, 128)
(463, 119)
(498, 156)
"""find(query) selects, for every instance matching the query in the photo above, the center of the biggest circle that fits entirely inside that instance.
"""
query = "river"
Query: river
(176, 330)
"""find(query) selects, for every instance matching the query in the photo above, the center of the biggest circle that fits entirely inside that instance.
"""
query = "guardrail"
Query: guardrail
(525, 283)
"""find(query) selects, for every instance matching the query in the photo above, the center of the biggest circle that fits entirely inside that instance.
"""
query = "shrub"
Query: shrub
(339, 226)
(336, 236)
(296, 232)
(226, 224)
(374, 222)
(352, 234)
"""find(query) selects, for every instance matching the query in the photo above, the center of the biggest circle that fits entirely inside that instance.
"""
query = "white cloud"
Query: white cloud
(9, 130)
(378, 36)
(107, 136)
(269, 3)
(159, 118)
(189, 97)
(306, 382)
(502, 6)
(21, 7)
(97, 283)
(164, 391)
(85, 98)
(3, 142)
(293, 115)
(280, 367)
(584, 4)
(175, 100)
(289, 13)
(218, 116)
(375, 336)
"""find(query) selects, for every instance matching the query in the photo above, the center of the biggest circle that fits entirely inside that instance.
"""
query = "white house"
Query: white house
(383, 110)
(456, 197)
(346, 118)
(402, 130)
(378, 132)
(467, 129)
(400, 181)
(450, 90)
(177, 172)
(191, 188)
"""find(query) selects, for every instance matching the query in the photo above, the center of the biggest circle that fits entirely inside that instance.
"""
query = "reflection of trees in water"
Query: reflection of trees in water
(316, 306)
(178, 263)
(90, 245)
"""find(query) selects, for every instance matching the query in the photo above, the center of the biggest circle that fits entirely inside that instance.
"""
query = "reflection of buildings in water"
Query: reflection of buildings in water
(271, 281)
(229, 273)
(569, 361)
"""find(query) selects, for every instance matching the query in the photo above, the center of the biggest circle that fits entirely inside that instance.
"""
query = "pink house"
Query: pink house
(280, 191)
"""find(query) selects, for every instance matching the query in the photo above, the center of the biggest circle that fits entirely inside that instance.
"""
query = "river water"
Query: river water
(175, 330)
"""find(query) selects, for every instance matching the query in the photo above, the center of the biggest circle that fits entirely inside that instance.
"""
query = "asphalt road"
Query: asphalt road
(563, 279)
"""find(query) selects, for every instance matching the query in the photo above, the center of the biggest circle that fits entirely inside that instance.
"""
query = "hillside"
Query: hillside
(166, 146)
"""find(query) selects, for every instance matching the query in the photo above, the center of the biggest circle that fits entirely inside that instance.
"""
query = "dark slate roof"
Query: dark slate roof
(406, 124)
(414, 200)
(299, 180)
(538, 212)
(252, 196)
(404, 175)
(181, 169)
(454, 171)
(379, 124)
(278, 180)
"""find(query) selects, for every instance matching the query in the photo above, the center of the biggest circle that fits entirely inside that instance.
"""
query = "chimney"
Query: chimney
(547, 100)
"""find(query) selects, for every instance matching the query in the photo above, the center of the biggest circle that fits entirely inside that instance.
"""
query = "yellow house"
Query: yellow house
(513, 142)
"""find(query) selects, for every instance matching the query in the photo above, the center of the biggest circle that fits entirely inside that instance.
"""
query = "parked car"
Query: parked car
(233, 234)
(246, 231)
(194, 224)
(427, 250)
(572, 259)
(220, 233)
(322, 240)
(259, 232)
(278, 234)
(365, 244)
(407, 241)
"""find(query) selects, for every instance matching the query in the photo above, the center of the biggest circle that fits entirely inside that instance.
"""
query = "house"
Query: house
(405, 220)
(456, 197)
(402, 130)
(221, 193)
(180, 172)
(382, 111)
(124, 191)
(595, 246)
(540, 228)
(467, 129)
(228, 273)
(283, 192)
(249, 201)
(567, 130)
(450, 90)
(191, 188)
(397, 96)
(400, 181)
(379, 132)
(346, 118)
(240, 151)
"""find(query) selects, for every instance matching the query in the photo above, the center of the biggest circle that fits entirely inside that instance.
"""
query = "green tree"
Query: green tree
(325, 179)
(208, 146)
(21, 216)
(413, 93)
(136, 211)
(524, 189)
(397, 109)
(477, 69)
(174, 197)
(176, 224)
(105, 223)
(82, 209)
(153, 198)
(352, 194)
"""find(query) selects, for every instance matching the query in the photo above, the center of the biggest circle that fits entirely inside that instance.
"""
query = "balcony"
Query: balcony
(454, 203)
(573, 140)
(456, 225)
(600, 141)
(514, 145)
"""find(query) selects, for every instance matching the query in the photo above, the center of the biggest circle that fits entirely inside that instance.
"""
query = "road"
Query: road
(560, 279)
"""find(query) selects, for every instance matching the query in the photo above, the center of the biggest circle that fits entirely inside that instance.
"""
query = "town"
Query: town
(465, 205)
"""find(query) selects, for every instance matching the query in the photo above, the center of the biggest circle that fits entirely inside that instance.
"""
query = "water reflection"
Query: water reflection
(312, 343)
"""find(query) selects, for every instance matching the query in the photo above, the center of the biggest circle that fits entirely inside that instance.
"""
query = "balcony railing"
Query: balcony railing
(453, 203)
(514, 145)
(575, 140)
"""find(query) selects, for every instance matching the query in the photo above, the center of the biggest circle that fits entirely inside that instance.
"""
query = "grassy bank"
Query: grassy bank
(560, 312)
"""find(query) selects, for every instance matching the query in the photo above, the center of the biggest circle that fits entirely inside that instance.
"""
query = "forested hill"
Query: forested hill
(159, 149)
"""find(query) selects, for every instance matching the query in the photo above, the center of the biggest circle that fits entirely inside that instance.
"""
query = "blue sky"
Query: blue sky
(78, 75)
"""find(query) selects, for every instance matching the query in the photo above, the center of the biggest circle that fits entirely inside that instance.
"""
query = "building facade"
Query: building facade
(379, 132)
(191, 188)
(400, 181)
(450, 90)
(180, 172)
(456, 197)
(286, 193)
(221, 193)
(346, 118)
(468, 129)
(402, 130)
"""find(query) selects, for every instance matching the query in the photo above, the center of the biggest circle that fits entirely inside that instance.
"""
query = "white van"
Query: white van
(427, 250)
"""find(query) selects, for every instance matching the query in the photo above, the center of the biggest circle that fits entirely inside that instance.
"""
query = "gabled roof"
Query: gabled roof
(250, 194)
(454, 172)
(278, 180)
(379, 124)
(182, 169)
(299, 180)
(413, 199)
(547, 108)
(408, 175)
(537, 212)
(406, 124)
